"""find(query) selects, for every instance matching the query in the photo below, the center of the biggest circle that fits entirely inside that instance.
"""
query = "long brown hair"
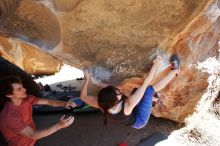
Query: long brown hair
(6, 88)
(107, 98)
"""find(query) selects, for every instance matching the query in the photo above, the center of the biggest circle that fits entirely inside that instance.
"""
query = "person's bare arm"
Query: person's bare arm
(91, 100)
(135, 98)
(56, 103)
(35, 135)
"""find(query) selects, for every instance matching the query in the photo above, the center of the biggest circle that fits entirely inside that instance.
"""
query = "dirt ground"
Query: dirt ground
(88, 130)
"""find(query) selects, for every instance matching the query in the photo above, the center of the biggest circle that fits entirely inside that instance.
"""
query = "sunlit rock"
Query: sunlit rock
(27, 57)
(197, 42)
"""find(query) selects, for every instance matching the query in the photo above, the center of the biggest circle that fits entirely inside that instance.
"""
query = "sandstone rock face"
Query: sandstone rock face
(30, 21)
(27, 57)
(118, 39)
(7, 7)
(198, 41)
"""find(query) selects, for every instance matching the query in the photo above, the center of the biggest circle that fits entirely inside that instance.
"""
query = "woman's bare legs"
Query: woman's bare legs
(135, 98)
(164, 81)
(167, 75)
(161, 75)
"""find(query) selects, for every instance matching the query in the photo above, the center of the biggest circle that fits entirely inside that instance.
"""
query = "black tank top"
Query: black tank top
(127, 120)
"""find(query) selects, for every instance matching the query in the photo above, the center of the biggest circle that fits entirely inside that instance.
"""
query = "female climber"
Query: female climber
(133, 110)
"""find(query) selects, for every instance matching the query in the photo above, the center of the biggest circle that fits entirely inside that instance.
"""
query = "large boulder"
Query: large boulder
(118, 39)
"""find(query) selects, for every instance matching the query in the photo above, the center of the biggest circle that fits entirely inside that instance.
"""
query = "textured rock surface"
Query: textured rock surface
(27, 57)
(195, 43)
(30, 21)
(118, 39)
(198, 41)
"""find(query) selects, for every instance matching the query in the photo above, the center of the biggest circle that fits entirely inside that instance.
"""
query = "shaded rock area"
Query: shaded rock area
(118, 40)
(65, 5)
(31, 21)
(7, 7)
(122, 37)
